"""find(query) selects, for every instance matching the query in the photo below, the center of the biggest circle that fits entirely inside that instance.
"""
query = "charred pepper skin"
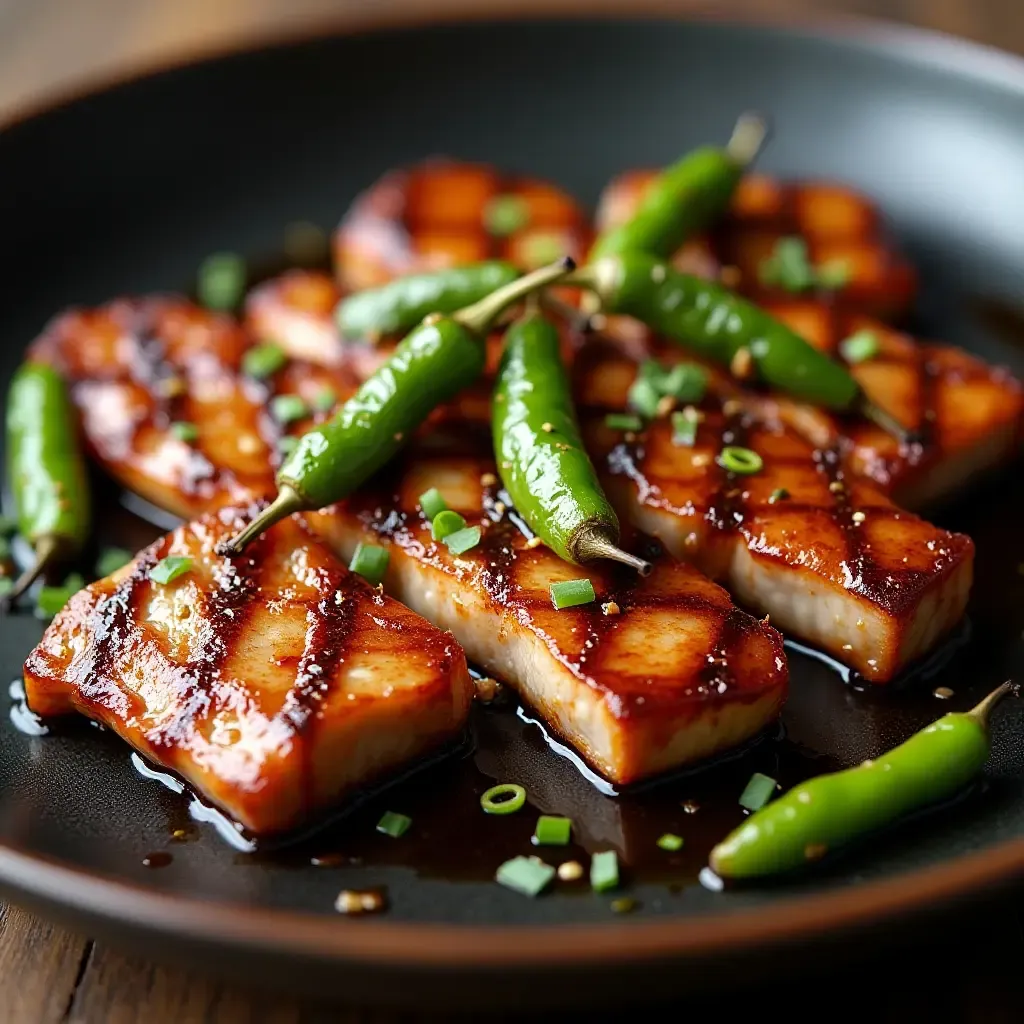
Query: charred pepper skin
(398, 306)
(540, 453)
(435, 362)
(687, 196)
(715, 323)
(831, 810)
(46, 469)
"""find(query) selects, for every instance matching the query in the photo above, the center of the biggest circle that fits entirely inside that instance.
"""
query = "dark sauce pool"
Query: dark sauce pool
(832, 720)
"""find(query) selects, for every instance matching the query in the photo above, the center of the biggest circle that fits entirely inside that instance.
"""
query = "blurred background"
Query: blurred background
(48, 47)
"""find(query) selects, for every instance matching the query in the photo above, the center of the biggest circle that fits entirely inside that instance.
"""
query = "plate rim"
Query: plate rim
(385, 942)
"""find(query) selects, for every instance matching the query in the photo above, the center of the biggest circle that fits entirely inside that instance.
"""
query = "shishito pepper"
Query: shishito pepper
(540, 453)
(46, 469)
(430, 366)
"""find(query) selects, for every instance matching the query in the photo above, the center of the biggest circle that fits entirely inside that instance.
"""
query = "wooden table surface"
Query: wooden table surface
(47, 975)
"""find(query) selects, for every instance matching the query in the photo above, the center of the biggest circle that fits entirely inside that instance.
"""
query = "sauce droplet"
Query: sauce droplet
(157, 859)
(942, 692)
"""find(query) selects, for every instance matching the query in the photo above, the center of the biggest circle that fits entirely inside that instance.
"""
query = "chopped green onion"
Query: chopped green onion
(170, 568)
(651, 370)
(370, 562)
(779, 494)
(505, 215)
(432, 503)
(684, 430)
(788, 266)
(552, 830)
(759, 790)
(462, 541)
(8, 526)
(540, 249)
(834, 273)
(570, 593)
(51, 600)
(446, 523)
(112, 559)
(604, 871)
(670, 842)
(623, 421)
(325, 400)
(644, 397)
(525, 875)
(286, 445)
(740, 460)
(288, 408)
(264, 361)
(685, 382)
(184, 431)
(221, 280)
(505, 798)
(394, 824)
(858, 347)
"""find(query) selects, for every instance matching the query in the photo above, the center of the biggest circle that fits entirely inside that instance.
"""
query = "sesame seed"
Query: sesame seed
(546, 427)
(533, 542)
(570, 870)
(248, 444)
(352, 901)
(942, 692)
(610, 608)
(658, 273)
(500, 508)
(488, 480)
(701, 459)
(665, 405)
(847, 647)
(732, 407)
(858, 517)
(742, 364)
(836, 487)
(691, 806)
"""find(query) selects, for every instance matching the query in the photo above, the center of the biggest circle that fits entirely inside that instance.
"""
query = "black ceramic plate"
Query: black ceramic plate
(126, 191)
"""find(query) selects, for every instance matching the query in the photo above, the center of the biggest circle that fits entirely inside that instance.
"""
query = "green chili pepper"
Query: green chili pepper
(537, 444)
(715, 323)
(400, 305)
(687, 196)
(440, 358)
(46, 469)
(826, 812)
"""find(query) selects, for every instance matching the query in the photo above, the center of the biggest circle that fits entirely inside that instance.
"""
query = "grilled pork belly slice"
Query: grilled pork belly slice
(442, 213)
(138, 366)
(656, 674)
(838, 225)
(275, 683)
(825, 553)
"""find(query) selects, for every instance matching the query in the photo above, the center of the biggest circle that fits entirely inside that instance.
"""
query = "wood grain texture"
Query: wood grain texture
(47, 975)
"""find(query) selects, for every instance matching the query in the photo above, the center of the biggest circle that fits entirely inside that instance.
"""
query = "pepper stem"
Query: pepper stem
(981, 713)
(46, 550)
(481, 317)
(596, 541)
(885, 420)
(748, 138)
(286, 502)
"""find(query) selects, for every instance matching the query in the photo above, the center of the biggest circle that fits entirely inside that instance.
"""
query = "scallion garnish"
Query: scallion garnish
(788, 266)
(684, 429)
(463, 540)
(833, 274)
(644, 397)
(738, 460)
(112, 559)
(446, 523)
(432, 503)
(50, 600)
(288, 408)
(670, 842)
(505, 215)
(779, 494)
(759, 790)
(552, 830)
(263, 361)
(325, 400)
(858, 347)
(604, 871)
(525, 875)
(505, 798)
(221, 280)
(185, 431)
(370, 562)
(170, 568)
(685, 382)
(394, 824)
(623, 421)
(569, 593)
